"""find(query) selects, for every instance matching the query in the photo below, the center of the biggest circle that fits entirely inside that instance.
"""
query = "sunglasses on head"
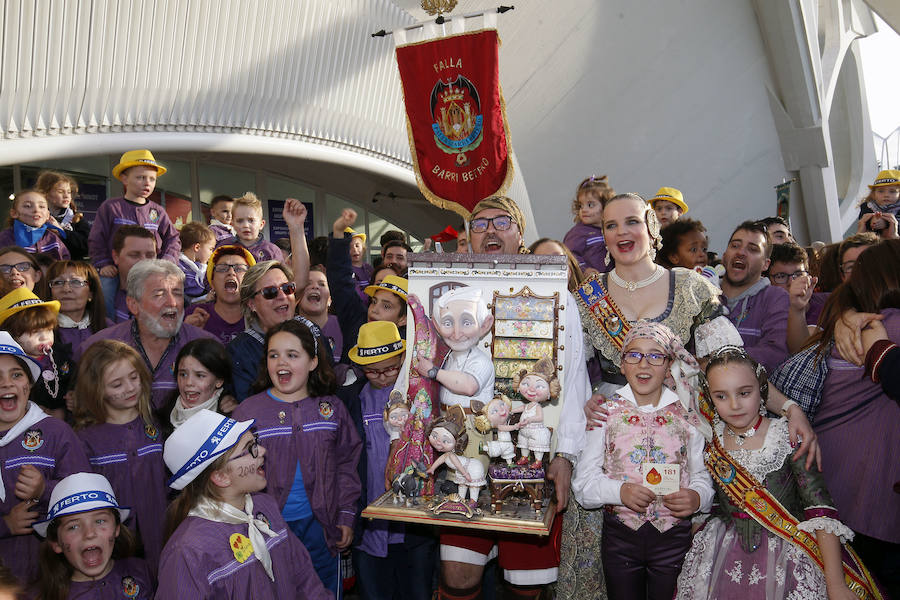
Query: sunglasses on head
(271, 292)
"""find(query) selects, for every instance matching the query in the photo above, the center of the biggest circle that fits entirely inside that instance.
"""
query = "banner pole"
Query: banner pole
(441, 19)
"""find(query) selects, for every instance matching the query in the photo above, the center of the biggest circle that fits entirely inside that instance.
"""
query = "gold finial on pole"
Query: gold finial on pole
(438, 7)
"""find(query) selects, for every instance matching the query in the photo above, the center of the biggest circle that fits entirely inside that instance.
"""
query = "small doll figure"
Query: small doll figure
(495, 415)
(537, 386)
(448, 436)
(396, 414)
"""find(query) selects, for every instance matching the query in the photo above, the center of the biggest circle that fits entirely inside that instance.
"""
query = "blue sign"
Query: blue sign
(278, 227)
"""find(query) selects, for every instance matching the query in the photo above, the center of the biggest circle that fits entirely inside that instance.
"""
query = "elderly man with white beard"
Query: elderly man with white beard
(155, 290)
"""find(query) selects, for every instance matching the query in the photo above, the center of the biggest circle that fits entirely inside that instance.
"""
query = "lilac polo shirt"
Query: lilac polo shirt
(116, 212)
(198, 561)
(52, 448)
(130, 457)
(317, 432)
(164, 373)
(762, 323)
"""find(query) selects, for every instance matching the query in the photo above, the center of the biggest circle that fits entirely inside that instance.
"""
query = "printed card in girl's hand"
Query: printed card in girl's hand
(661, 478)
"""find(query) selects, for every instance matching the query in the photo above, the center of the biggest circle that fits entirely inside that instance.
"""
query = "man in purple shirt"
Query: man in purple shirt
(156, 299)
(758, 309)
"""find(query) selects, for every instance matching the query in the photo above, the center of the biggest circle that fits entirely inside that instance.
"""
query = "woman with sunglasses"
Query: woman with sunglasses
(19, 268)
(223, 316)
(226, 538)
(267, 299)
(76, 285)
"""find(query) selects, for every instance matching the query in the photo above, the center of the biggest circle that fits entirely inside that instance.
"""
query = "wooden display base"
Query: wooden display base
(517, 515)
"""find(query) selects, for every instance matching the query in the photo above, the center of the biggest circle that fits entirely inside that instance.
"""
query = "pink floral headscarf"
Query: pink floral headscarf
(684, 372)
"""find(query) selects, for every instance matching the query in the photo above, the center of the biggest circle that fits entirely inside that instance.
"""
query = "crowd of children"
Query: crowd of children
(209, 425)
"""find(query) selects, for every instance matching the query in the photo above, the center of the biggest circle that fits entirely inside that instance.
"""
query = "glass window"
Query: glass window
(216, 180)
(99, 165)
(6, 190)
(277, 189)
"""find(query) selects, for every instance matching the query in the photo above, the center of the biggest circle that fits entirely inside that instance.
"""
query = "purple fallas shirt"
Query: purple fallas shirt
(318, 433)
(198, 561)
(52, 448)
(377, 533)
(130, 457)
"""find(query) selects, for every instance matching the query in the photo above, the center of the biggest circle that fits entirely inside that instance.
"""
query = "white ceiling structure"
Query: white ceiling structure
(722, 100)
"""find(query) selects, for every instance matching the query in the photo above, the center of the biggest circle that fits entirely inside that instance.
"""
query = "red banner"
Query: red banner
(456, 119)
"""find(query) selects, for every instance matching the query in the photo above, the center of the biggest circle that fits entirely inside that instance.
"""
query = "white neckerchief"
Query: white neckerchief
(222, 512)
(180, 413)
(69, 323)
(32, 416)
(221, 224)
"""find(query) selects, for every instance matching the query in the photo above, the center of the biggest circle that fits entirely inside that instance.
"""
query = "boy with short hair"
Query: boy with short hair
(248, 221)
(220, 212)
(30, 227)
(138, 171)
(669, 205)
(197, 244)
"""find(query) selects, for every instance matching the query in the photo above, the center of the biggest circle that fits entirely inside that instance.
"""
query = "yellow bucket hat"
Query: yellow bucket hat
(217, 253)
(137, 158)
(20, 299)
(353, 233)
(378, 340)
(670, 195)
(392, 283)
(888, 177)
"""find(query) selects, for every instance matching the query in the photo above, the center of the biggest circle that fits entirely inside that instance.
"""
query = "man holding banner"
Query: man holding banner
(528, 562)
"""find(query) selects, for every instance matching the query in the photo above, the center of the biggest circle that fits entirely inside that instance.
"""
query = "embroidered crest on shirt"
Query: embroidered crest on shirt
(130, 587)
(151, 431)
(154, 215)
(32, 440)
(261, 517)
(64, 368)
(240, 547)
(326, 410)
(281, 417)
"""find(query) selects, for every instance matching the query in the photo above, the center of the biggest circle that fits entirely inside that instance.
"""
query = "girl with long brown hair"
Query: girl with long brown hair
(120, 436)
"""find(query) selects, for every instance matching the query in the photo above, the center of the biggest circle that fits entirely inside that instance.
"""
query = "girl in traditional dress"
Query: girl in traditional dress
(228, 540)
(741, 552)
(649, 440)
(121, 438)
(314, 447)
(87, 553)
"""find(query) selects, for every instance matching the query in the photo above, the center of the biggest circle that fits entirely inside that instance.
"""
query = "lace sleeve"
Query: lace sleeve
(833, 526)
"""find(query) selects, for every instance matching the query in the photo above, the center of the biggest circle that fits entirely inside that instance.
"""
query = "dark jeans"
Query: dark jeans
(643, 563)
(327, 567)
(406, 572)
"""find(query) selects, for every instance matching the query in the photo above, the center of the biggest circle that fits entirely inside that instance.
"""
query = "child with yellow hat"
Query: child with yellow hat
(138, 171)
(386, 553)
(879, 210)
(32, 323)
(669, 205)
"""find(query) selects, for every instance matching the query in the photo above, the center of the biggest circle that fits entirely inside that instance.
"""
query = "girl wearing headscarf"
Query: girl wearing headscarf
(646, 466)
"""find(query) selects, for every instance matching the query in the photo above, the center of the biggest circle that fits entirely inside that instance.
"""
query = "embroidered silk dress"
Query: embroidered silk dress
(733, 556)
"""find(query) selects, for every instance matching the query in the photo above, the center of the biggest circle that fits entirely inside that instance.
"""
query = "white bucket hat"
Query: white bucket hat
(198, 442)
(78, 493)
(9, 346)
